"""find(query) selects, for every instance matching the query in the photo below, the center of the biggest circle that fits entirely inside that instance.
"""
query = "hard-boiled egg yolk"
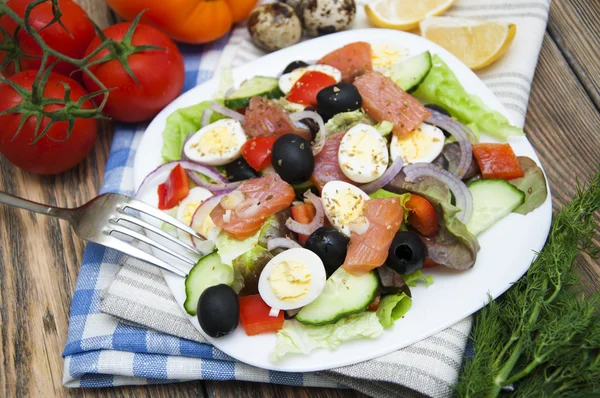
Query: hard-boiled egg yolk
(385, 55)
(290, 280)
(421, 145)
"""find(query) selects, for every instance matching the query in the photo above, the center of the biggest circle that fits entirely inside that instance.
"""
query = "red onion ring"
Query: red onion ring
(206, 115)
(204, 211)
(316, 223)
(248, 208)
(463, 137)
(286, 243)
(462, 195)
(223, 110)
(386, 178)
(319, 142)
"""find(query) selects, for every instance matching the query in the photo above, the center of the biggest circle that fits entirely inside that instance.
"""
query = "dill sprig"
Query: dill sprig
(542, 337)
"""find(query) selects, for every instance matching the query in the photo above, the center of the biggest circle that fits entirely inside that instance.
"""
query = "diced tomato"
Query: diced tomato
(254, 314)
(497, 161)
(257, 152)
(176, 188)
(422, 216)
(305, 90)
(429, 263)
(304, 214)
(374, 304)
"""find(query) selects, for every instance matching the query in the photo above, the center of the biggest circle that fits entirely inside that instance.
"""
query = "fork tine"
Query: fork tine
(114, 243)
(156, 213)
(141, 237)
(158, 231)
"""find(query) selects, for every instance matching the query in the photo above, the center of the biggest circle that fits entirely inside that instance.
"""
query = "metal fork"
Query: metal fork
(100, 221)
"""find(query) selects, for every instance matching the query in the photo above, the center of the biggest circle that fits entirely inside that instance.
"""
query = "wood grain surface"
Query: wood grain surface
(40, 256)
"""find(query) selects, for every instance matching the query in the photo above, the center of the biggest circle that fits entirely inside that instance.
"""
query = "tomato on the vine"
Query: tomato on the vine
(71, 42)
(55, 151)
(159, 72)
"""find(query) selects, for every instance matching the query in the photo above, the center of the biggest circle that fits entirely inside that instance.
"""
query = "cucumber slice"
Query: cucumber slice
(410, 73)
(493, 199)
(208, 271)
(344, 294)
(258, 86)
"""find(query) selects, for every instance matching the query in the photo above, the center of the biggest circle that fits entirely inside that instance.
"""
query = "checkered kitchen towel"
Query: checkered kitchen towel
(126, 327)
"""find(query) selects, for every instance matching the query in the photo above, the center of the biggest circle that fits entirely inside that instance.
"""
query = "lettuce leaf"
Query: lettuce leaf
(346, 120)
(441, 87)
(393, 307)
(180, 124)
(384, 128)
(230, 248)
(412, 279)
(296, 338)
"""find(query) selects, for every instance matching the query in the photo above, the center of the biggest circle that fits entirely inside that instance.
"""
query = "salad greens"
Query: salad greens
(230, 248)
(412, 279)
(441, 87)
(533, 184)
(296, 338)
(346, 120)
(384, 127)
(393, 307)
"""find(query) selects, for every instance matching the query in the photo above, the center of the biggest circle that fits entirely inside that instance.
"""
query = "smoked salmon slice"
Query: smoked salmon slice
(266, 195)
(383, 100)
(369, 250)
(327, 166)
(264, 117)
(352, 60)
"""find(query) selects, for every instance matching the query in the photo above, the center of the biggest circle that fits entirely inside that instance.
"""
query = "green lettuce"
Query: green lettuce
(533, 184)
(230, 248)
(393, 307)
(296, 338)
(412, 279)
(442, 87)
(180, 124)
(346, 120)
(384, 128)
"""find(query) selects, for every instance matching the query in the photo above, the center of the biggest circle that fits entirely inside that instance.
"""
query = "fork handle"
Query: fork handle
(36, 207)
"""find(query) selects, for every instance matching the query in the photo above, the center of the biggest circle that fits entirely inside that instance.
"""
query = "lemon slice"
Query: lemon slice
(475, 42)
(404, 14)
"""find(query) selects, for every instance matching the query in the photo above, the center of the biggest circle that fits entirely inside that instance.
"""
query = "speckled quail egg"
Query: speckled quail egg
(297, 5)
(322, 17)
(274, 26)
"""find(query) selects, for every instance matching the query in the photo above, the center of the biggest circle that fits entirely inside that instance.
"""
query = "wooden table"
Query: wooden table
(40, 256)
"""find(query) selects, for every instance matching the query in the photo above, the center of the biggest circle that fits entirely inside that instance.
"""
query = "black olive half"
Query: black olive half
(240, 170)
(341, 97)
(331, 247)
(407, 253)
(293, 159)
(218, 310)
(293, 66)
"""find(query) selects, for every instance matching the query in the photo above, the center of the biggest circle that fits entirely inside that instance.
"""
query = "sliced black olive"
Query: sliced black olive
(438, 108)
(293, 159)
(407, 253)
(310, 123)
(218, 310)
(341, 97)
(240, 170)
(293, 66)
(331, 247)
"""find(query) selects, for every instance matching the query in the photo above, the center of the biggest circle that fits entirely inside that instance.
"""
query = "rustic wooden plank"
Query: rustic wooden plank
(574, 27)
(245, 389)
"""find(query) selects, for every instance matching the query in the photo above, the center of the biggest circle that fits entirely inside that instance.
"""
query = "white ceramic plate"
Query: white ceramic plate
(507, 249)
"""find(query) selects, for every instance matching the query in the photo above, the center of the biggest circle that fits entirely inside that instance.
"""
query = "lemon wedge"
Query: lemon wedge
(475, 42)
(404, 14)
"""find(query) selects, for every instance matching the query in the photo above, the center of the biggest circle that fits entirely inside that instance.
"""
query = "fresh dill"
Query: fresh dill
(542, 337)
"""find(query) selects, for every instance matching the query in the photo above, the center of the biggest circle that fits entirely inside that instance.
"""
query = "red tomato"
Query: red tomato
(257, 152)
(497, 161)
(374, 304)
(305, 90)
(422, 216)
(254, 314)
(71, 43)
(304, 214)
(429, 263)
(160, 74)
(55, 152)
(176, 188)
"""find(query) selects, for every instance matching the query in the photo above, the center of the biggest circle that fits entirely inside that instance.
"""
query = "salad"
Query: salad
(325, 194)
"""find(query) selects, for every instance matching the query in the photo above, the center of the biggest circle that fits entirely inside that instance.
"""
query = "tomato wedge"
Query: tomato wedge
(305, 90)
(304, 214)
(257, 152)
(176, 188)
(254, 314)
(422, 216)
(429, 263)
(497, 161)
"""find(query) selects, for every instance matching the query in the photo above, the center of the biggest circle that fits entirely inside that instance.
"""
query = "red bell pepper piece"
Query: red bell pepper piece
(254, 314)
(176, 188)
(497, 161)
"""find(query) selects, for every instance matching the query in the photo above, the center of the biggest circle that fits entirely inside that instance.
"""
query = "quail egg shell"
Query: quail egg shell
(274, 26)
(322, 17)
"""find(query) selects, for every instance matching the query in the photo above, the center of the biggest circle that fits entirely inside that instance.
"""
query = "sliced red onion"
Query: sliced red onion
(386, 178)
(319, 142)
(360, 225)
(316, 223)
(183, 155)
(463, 137)
(206, 115)
(232, 200)
(223, 110)
(462, 195)
(248, 208)
(204, 211)
(286, 243)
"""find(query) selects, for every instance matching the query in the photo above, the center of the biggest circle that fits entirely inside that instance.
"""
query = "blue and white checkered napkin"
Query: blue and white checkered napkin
(146, 339)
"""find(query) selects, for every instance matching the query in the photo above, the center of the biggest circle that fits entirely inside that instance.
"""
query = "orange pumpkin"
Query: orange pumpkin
(189, 21)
